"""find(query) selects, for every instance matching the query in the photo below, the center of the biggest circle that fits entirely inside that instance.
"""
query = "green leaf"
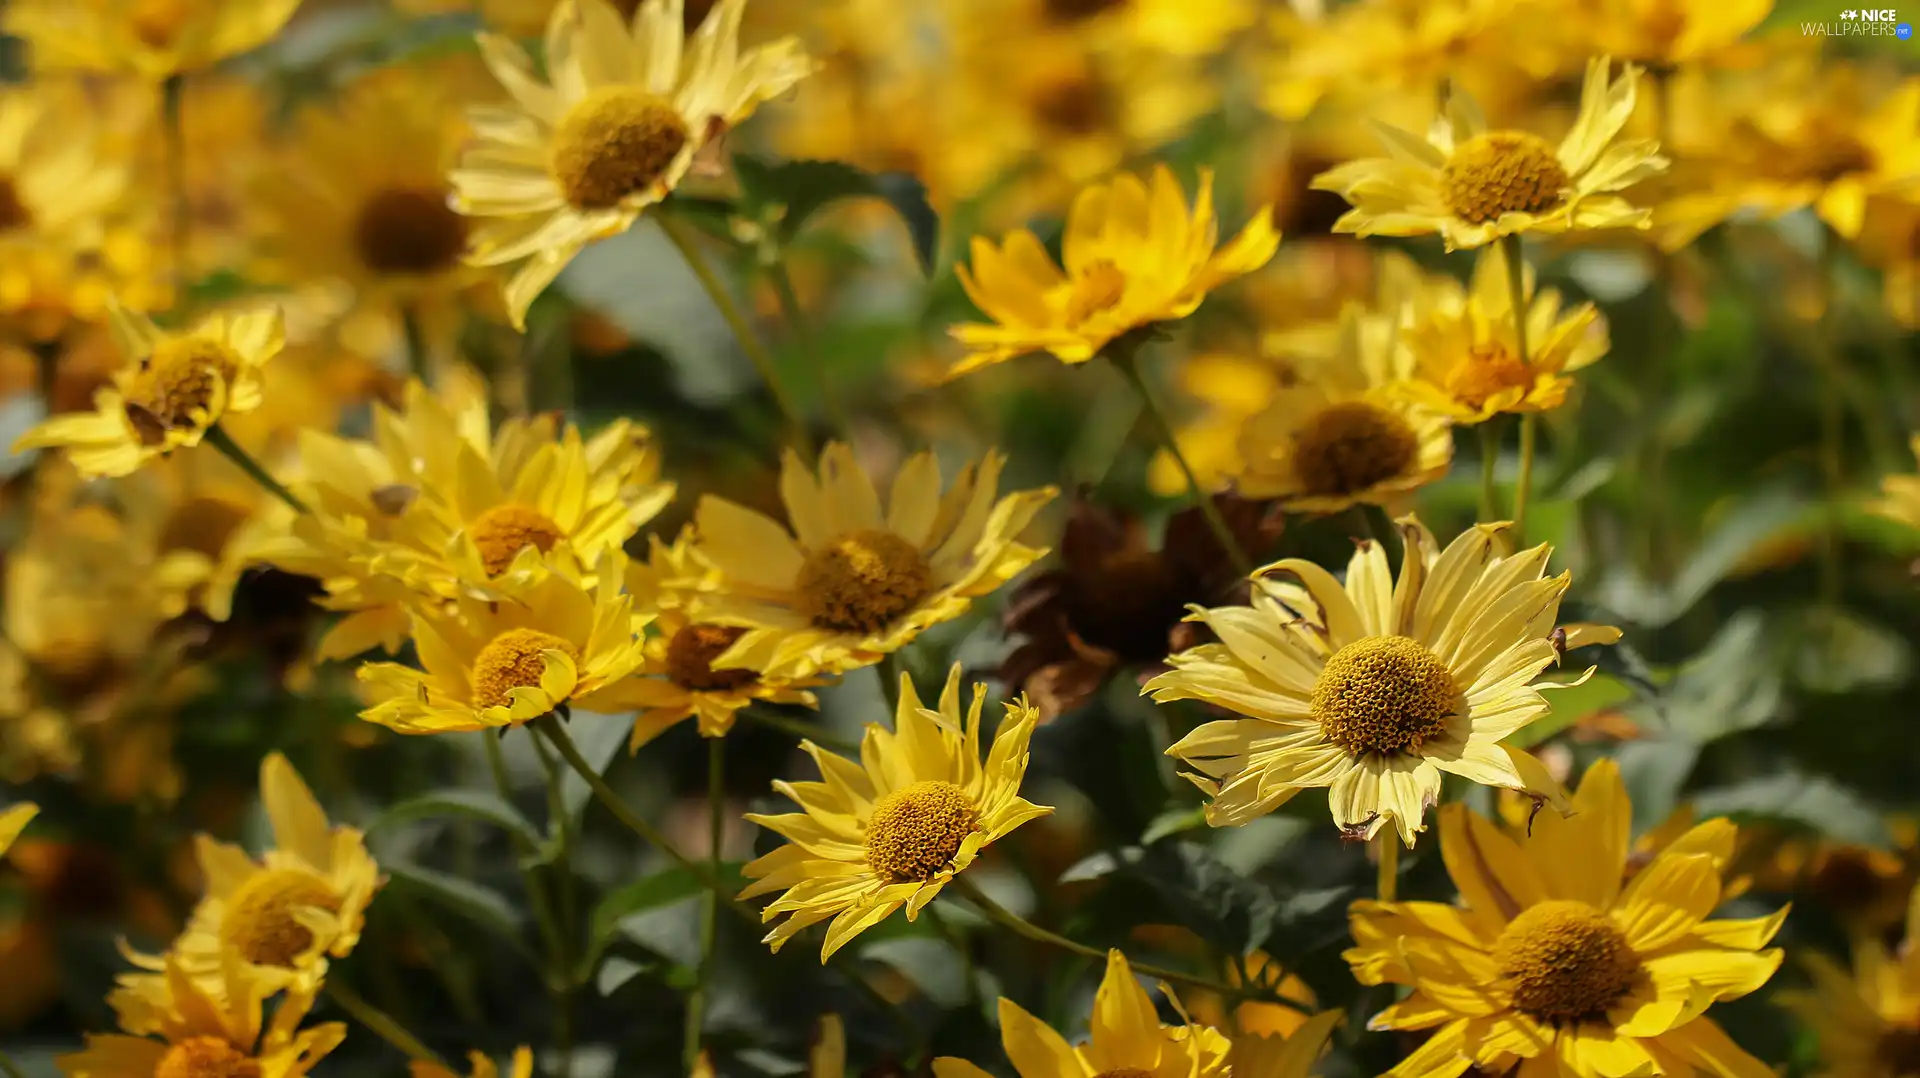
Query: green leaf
(465, 804)
(1173, 821)
(1201, 892)
(1814, 801)
(1568, 706)
(791, 192)
(482, 905)
(1729, 687)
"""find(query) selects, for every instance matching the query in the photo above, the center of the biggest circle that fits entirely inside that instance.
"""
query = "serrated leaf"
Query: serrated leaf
(1202, 893)
(802, 188)
(653, 892)
(464, 804)
(475, 902)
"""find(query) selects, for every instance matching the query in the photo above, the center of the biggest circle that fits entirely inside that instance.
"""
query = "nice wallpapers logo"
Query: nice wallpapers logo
(1861, 22)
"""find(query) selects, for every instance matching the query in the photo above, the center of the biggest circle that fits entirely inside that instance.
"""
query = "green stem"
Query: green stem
(803, 333)
(221, 440)
(1387, 886)
(1523, 483)
(1125, 357)
(559, 977)
(416, 336)
(173, 128)
(1517, 292)
(10, 1067)
(806, 731)
(709, 911)
(1489, 461)
(685, 241)
(563, 874)
(380, 1024)
(1833, 464)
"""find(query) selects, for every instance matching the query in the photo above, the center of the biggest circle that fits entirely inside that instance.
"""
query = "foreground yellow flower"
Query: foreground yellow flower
(1375, 688)
(851, 583)
(150, 38)
(1133, 257)
(15, 820)
(1555, 961)
(495, 663)
(1466, 353)
(1900, 494)
(482, 1066)
(628, 108)
(893, 828)
(1472, 185)
(1126, 1038)
(282, 915)
(1868, 1023)
(1283, 1056)
(172, 389)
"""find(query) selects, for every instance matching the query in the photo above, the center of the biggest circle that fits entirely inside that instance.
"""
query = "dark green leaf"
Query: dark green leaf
(479, 904)
(799, 189)
(1813, 801)
(465, 804)
(1218, 904)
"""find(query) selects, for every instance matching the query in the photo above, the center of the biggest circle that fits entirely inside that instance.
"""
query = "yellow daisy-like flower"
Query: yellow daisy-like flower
(15, 820)
(894, 828)
(283, 915)
(1900, 494)
(1376, 688)
(1132, 257)
(627, 108)
(1868, 1023)
(1472, 185)
(150, 38)
(173, 388)
(494, 663)
(851, 583)
(1283, 1056)
(206, 1030)
(1125, 1039)
(482, 1066)
(1466, 352)
(1342, 435)
(1667, 32)
(1553, 963)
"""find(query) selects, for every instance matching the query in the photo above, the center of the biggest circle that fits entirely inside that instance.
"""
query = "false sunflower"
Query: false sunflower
(173, 388)
(1553, 963)
(283, 915)
(1868, 1022)
(481, 1066)
(1131, 257)
(1472, 185)
(894, 828)
(1126, 1038)
(1466, 352)
(491, 664)
(1376, 688)
(153, 39)
(851, 583)
(628, 107)
(1342, 435)
(15, 820)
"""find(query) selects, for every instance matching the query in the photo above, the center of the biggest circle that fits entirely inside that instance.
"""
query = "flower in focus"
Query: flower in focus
(1868, 1023)
(852, 583)
(1342, 435)
(481, 1066)
(283, 915)
(891, 829)
(172, 390)
(1377, 688)
(153, 39)
(1552, 958)
(1466, 352)
(15, 820)
(629, 107)
(1472, 185)
(1132, 257)
(495, 663)
(1126, 1038)
(1116, 602)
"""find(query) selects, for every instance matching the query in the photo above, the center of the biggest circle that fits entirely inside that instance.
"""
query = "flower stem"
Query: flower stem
(416, 342)
(381, 1024)
(710, 910)
(1489, 461)
(1387, 886)
(684, 240)
(803, 333)
(1124, 356)
(230, 449)
(173, 129)
(563, 883)
(773, 720)
(1517, 291)
(1523, 483)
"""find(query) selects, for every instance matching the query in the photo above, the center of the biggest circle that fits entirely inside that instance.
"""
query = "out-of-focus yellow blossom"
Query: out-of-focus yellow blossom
(1253, 1016)
(13, 820)
(153, 39)
(1133, 257)
(628, 107)
(1284, 1055)
(224, 150)
(1661, 32)
(1868, 1022)
(35, 739)
(1900, 499)
(480, 1066)
(853, 582)
(1472, 185)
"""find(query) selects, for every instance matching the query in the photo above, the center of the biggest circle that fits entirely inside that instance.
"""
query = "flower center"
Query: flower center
(13, 212)
(1486, 372)
(615, 142)
(206, 1057)
(1384, 694)
(1074, 107)
(204, 524)
(504, 531)
(1098, 288)
(1502, 172)
(407, 231)
(1898, 1050)
(513, 660)
(860, 582)
(157, 23)
(1350, 446)
(1074, 10)
(174, 387)
(260, 925)
(1127, 603)
(915, 831)
(690, 656)
(1565, 961)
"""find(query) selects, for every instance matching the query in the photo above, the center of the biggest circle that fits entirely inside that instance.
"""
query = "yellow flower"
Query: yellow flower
(556, 642)
(1125, 1038)
(1289, 1055)
(1472, 185)
(628, 108)
(1900, 500)
(15, 820)
(150, 38)
(1133, 257)
(1466, 352)
(1376, 688)
(852, 584)
(204, 1030)
(828, 1056)
(1668, 32)
(171, 390)
(1552, 959)
(1342, 435)
(482, 1067)
(283, 915)
(1868, 1023)
(891, 829)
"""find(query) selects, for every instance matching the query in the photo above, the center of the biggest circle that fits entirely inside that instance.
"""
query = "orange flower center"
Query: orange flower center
(409, 232)
(175, 386)
(1486, 372)
(860, 582)
(915, 831)
(502, 532)
(690, 656)
(1565, 961)
(260, 924)
(1500, 172)
(206, 1057)
(157, 23)
(1384, 694)
(617, 141)
(513, 660)
(1351, 446)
